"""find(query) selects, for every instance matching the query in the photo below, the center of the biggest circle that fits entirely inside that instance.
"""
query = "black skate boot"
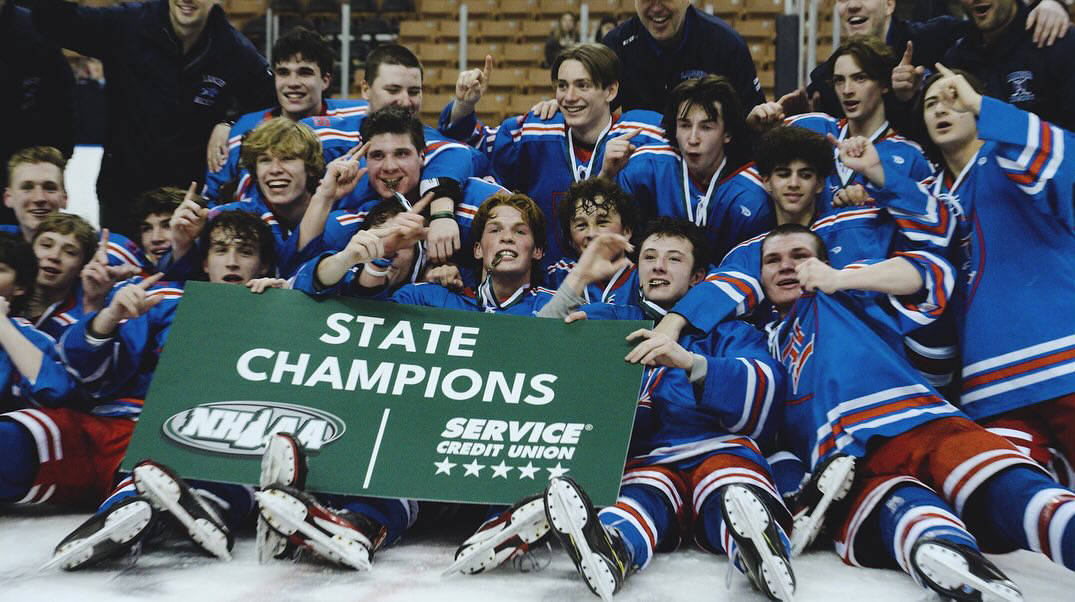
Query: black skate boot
(760, 542)
(512, 535)
(194, 515)
(109, 534)
(958, 572)
(283, 464)
(829, 483)
(599, 553)
(346, 538)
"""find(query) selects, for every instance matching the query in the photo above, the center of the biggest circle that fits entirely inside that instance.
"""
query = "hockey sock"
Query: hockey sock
(643, 517)
(1027, 509)
(909, 512)
(18, 467)
(395, 515)
(123, 490)
(789, 472)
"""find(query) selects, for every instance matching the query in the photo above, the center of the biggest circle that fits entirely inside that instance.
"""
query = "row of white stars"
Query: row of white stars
(473, 469)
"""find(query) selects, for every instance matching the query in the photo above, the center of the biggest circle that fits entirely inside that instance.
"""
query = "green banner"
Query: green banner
(390, 400)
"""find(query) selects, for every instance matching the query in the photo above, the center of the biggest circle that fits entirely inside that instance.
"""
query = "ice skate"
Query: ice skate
(511, 535)
(195, 516)
(759, 542)
(830, 483)
(960, 573)
(343, 537)
(599, 553)
(283, 464)
(108, 534)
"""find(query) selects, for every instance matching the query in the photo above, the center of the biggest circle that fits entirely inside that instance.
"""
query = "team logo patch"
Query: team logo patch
(796, 353)
(1019, 81)
(241, 427)
(209, 91)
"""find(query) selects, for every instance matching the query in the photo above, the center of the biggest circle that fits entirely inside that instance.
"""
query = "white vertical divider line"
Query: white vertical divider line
(376, 449)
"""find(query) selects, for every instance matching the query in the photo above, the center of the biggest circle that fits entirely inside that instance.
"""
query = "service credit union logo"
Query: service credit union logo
(241, 427)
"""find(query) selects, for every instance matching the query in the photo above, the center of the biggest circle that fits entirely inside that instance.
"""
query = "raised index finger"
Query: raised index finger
(488, 70)
(102, 248)
(192, 192)
(907, 54)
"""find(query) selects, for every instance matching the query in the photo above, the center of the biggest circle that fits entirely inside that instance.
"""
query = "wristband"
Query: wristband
(382, 262)
(375, 273)
(442, 188)
(441, 215)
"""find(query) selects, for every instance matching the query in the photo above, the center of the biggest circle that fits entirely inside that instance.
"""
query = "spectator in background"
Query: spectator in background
(1000, 52)
(35, 91)
(173, 69)
(564, 33)
(607, 24)
(670, 41)
(919, 43)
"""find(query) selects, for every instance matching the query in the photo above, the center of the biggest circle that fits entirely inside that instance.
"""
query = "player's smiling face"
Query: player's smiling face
(34, 192)
(794, 188)
(949, 130)
(585, 104)
(666, 269)
(780, 255)
(59, 260)
(866, 17)
(156, 235)
(232, 260)
(663, 19)
(394, 164)
(701, 139)
(395, 85)
(593, 219)
(300, 86)
(281, 179)
(507, 243)
(860, 95)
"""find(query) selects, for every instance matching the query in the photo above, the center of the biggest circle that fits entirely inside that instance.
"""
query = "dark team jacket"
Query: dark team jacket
(1039, 80)
(35, 88)
(709, 45)
(161, 103)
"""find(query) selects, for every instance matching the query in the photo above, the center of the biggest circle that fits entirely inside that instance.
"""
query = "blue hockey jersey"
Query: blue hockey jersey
(621, 289)
(847, 378)
(116, 372)
(539, 157)
(526, 301)
(899, 153)
(54, 385)
(1016, 295)
(330, 107)
(733, 208)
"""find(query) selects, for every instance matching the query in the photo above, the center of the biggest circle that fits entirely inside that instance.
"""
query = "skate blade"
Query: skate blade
(266, 542)
(274, 468)
(949, 570)
(283, 517)
(563, 502)
(165, 497)
(481, 549)
(739, 502)
(129, 521)
(833, 485)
